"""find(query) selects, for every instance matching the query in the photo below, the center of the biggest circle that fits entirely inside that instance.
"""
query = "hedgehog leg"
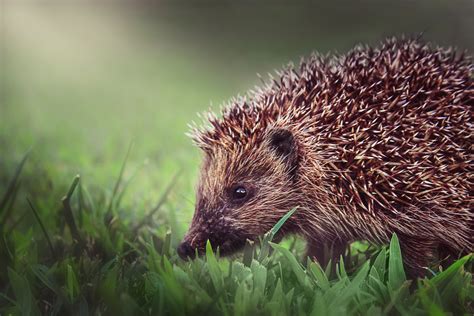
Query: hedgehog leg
(417, 255)
(325, 252)
(447, 255)
(316, 251)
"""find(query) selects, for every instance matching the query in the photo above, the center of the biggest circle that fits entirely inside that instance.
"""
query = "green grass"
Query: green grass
(107, 92)
(89, 260)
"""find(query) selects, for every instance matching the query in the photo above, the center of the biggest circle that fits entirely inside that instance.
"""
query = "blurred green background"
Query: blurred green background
(81, 80)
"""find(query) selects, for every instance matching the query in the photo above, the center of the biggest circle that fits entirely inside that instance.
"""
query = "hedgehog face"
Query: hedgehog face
(242, 193)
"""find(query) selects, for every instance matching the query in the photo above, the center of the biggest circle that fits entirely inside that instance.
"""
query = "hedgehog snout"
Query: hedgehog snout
(195, 238)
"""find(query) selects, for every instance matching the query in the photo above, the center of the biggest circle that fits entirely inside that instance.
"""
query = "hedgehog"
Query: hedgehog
(365, 144)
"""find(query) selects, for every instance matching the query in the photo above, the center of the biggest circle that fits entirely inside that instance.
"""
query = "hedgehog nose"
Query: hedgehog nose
(185, 250)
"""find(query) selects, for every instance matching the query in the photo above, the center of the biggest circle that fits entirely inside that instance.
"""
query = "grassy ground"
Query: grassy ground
(107, 92)
(87, 257)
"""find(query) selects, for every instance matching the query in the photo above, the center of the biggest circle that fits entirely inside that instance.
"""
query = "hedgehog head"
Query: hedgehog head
(244, 188)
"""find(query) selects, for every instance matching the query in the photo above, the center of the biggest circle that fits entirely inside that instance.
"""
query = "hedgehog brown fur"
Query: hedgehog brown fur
(367, 144)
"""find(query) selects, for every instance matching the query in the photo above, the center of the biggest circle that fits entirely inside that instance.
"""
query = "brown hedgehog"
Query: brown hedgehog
(367, 144)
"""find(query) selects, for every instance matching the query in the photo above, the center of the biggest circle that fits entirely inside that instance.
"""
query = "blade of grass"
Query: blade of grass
(396, 273)
(319, 275)
(282, 221)
(328, 268)
(119, 179)
(248, 252)
(380, 263)
(160, 203)
(45, 232)
(444, 276)
(214, 269)
(9, 207)
(165, 249)
(67, 211)
(80, 200)
(73, 186)
(87, 201)
(127, 183)
(268, 237)
(12, 184)
(72, 285)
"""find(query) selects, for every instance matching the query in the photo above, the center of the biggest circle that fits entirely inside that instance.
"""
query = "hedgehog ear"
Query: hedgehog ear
(283, 143)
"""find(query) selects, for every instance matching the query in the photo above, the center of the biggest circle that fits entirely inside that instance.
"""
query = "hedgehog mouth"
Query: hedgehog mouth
(225, 248)
(230, 247)
(226, 240)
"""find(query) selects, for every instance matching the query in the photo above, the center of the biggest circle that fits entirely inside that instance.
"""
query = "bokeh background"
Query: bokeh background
(81, 80)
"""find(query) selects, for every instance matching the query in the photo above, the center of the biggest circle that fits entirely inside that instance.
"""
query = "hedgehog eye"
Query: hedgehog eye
(239, 193)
